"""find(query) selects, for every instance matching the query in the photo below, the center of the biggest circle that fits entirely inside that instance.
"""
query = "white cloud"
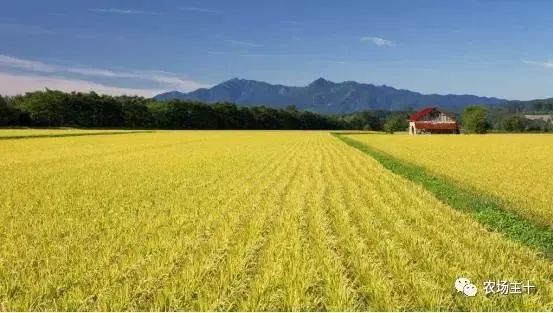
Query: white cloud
(154, 76)
(119, 11)
(167, 79)
(548, 64)
(11, 84)
(243, 43)
(7, 61)
(201, 10)
(378, 41)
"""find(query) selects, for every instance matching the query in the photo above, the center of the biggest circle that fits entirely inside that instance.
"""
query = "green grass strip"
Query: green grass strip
(487, 210)
(72, 135)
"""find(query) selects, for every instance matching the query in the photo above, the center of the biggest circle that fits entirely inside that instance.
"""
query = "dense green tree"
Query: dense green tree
(475, 120)
(515, 123)
(229, 116)
(45, 108)
(395, 123)
(55, 108)
(5, 112)
(8, 114)
(373, 120)
(136, 114)
(160, 115)
(17, 116)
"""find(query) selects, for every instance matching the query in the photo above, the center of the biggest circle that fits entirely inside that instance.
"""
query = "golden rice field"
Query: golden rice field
(31, 132)
(517, 169)
(228, 220)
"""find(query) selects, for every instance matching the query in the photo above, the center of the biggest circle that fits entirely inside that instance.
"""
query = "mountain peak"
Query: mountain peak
(234, 79)
(320, 82)
(324, 96)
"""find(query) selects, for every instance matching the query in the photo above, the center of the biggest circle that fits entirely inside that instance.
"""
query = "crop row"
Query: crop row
(237, 221)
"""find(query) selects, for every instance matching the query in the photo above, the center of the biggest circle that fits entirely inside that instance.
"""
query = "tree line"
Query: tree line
(529, 106)
(506, 118)
(58, 109)
(51, 108)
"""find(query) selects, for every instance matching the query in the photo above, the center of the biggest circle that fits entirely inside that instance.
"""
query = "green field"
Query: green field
(241, 220)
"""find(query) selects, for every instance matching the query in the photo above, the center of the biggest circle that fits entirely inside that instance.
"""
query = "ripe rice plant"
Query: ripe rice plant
(20, 133)
(216, 220)
(514, 168)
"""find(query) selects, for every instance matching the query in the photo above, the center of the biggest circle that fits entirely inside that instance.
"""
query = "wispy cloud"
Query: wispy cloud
(119, 11)
(201, 10)
(165, 79)
(8, 61)
(547, 64)
(13, 84)
(243, 43)
(378, 41)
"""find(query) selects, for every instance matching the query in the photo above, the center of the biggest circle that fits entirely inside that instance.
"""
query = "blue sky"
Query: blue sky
(489, 47)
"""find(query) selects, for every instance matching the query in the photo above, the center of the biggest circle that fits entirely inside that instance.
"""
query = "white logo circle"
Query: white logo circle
(470, 290)
(460, 283)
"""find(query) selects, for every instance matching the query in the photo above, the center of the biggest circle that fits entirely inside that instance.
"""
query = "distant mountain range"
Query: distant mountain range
(323, 96)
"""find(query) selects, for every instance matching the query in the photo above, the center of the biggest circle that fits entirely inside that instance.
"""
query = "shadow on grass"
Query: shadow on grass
(489, 211)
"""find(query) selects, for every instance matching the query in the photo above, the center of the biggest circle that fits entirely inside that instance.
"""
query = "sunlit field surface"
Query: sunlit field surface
(237, 221)
(515, 168)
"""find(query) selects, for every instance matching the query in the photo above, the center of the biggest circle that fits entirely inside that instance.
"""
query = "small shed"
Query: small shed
(431, 120)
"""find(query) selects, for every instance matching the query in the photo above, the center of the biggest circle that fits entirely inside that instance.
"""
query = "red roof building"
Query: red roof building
(432, 121)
